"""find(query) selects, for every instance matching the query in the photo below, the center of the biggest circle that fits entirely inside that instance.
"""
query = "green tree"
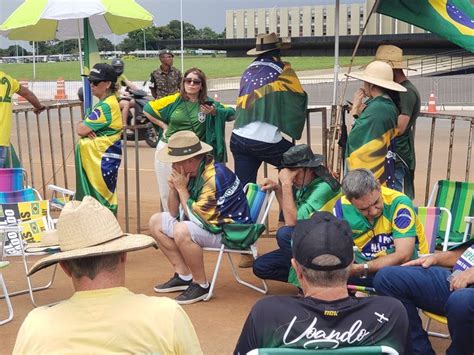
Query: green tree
(103, 44)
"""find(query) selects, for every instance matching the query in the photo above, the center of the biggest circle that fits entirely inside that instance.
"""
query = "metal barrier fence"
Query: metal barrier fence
(45, 145)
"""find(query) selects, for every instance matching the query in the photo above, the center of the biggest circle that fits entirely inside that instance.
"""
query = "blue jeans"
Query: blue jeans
(3, 156)
(276, 264)
(249, 155)
(403, 180)
(428, 289)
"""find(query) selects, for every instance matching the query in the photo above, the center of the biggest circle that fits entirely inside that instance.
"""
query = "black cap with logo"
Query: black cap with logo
(323, 234)
(102, 72)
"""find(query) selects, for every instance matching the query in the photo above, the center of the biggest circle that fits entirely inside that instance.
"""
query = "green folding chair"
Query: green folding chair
(458, 198)
(359, 350)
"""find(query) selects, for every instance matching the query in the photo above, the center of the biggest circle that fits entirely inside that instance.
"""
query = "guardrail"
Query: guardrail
(442, 62)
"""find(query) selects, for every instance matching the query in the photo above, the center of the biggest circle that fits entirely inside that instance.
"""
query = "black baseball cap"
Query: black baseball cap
(322, 234)
(102, 72)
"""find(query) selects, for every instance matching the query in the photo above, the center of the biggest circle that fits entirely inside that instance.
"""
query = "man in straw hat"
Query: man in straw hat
(271, 101)
(306, 186)
(102, 315)
(371, 141)
(385, 227)
(326, 317)
(410, 104)
(210, 196)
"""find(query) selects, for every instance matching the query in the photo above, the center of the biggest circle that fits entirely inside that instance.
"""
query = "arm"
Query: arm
(445, 259)
(173, 199)
(131, 85)
(32, 99)
(156, 121)
(403, 251)
(180, 181)
(357, 104)
(288, 204)
(83, 130)
(402, 123)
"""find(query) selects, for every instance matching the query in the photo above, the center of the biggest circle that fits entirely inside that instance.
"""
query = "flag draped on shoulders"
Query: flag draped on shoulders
(451, 19)
(98, 159)
(271, 92)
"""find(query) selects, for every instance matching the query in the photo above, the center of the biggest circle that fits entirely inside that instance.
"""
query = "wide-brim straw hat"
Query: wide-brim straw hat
(392, 55)
(182, 146)
(379, 73)
(86, 229)
(265, 42)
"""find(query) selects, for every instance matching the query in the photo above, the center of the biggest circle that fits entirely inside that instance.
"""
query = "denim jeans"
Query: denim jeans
(276, 264)
(249, 155)
(3, 156)
(403, 180)
(428, 289)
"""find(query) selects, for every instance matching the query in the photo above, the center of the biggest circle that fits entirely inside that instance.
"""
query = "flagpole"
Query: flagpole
(182, 35)
(34, 62)
(336, 53)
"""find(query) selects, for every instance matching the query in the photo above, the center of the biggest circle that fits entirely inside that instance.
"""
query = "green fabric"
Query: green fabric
(185, 118)
(15, 162)
(449, 19)
(458, 197)
(283, 109)
(314, 197)
(241, 236)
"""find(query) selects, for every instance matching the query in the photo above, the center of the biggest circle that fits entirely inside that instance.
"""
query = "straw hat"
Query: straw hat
(379, 73)
(392, 55)
(181, 146)
(86, 229)
(265, 42)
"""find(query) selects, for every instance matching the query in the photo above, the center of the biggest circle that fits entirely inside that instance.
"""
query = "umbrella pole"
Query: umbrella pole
(80, 47)
(336, 54)
(34, 62)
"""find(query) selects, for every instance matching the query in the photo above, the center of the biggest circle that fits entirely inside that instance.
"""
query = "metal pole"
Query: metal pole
(336, 54)
(144, 42)
(182, 35)
(34, 62)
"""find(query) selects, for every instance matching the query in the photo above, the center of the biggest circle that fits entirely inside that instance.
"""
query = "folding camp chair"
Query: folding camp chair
(355, 350)
(60, 196)
(259, 203)
(3, 265)
(458, 198)
(430, 218)
(12, 179)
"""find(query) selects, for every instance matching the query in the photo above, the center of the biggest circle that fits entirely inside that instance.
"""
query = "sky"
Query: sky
(200, 13)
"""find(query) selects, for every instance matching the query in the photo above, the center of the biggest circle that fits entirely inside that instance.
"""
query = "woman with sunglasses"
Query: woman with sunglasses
(188, 110)
(99, 150)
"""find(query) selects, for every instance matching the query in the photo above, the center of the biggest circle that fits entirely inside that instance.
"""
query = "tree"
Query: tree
(104, 45)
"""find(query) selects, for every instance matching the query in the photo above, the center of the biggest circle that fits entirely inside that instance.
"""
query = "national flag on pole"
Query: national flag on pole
(451, 19)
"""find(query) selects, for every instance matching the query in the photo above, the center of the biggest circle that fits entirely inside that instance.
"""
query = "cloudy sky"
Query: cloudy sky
(198, 12)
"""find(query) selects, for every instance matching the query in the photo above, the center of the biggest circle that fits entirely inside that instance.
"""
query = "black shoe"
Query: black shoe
(194, 293)
(172, 285)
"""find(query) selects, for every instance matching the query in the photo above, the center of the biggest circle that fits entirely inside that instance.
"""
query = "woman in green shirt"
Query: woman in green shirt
(189, 110)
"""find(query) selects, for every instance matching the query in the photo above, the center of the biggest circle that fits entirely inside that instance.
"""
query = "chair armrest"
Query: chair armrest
(61, 190)
(469, 219)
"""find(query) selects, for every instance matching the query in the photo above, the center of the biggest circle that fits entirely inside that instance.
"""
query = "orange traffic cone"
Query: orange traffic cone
(60, 89)
(432, 104)
(20, 99)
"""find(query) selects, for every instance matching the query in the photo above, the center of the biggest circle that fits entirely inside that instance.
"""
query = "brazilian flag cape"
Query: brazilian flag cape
(371, 142)
(98, 159)
(271, 92)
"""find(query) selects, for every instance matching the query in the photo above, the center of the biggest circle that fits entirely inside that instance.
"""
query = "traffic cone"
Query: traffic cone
(20, 99)
(432, 104)
(60, 89)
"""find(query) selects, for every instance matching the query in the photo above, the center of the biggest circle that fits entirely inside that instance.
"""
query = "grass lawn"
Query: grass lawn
(139, 69)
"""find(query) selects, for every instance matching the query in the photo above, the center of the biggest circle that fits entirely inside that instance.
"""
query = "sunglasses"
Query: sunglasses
(191, 80)
(95, 83)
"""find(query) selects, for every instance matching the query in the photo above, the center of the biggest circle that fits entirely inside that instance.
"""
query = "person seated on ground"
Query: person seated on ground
(385, 227)
(210, 196)
(102, 316)
(326, 317)
(126, 100)
(306, 186)
(442, 283)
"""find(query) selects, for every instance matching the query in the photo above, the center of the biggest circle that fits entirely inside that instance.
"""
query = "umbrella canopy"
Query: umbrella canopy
(44, 20)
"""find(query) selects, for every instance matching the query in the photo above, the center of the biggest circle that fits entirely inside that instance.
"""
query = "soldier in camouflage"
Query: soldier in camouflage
(165, 80)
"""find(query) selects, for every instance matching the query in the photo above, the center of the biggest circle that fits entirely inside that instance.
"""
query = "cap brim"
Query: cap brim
(387, 84)
(164, 157)
(128, 242)
(394, 65)
(313, 163)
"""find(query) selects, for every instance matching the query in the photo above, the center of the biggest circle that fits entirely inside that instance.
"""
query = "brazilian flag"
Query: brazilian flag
(451, 19)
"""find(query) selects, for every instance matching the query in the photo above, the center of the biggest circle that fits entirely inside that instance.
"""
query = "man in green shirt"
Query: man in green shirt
(306, 186)
(410, 104)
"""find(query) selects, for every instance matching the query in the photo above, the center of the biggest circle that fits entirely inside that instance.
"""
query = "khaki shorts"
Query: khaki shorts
(199, 235)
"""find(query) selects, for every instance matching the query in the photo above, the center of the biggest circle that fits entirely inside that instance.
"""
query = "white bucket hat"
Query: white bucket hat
(86, 229)
(379, 73)
(182, 146)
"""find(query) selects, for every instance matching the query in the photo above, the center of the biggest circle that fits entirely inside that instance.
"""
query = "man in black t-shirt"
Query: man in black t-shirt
(326, 317)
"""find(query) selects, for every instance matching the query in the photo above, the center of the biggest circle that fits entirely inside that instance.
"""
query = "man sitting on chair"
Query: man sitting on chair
(430, 284)
(385, 227)
(305, 186)
(210, 195)
(102, 316)
(326, 317)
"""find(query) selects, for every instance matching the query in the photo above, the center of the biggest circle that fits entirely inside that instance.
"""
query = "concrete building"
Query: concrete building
(308, 21)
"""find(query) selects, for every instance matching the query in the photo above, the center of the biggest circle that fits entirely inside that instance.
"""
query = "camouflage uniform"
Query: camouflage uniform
(165, 83)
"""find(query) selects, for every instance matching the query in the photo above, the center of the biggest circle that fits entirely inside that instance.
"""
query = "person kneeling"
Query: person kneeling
(210, 196)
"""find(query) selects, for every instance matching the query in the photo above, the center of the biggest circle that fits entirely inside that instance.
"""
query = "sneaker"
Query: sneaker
(172, 285)
(194, 293)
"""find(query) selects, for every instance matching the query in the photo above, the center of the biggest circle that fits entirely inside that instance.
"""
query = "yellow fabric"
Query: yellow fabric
(436, 317)
(8, 86)
(112, 320)
(158, 104)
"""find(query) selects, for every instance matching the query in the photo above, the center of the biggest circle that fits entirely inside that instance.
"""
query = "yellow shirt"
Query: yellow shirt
(112, 320)
(8, 87)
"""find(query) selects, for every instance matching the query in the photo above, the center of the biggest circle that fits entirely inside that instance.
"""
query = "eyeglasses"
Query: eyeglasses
(194, 81)
(95, 83)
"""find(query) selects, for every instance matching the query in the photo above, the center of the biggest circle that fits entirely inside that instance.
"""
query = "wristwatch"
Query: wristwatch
(366, 271)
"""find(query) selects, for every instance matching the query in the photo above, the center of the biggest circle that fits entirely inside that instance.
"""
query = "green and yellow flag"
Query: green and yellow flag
(451, 19)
